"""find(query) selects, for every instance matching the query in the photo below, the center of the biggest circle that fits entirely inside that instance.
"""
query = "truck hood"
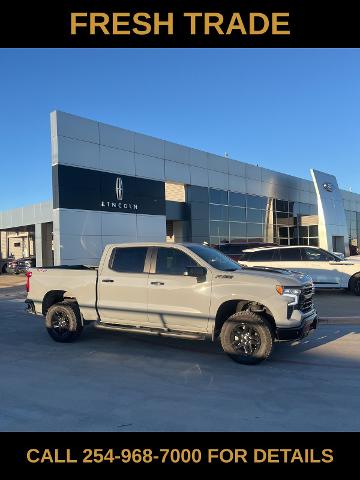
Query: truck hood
(280, 275)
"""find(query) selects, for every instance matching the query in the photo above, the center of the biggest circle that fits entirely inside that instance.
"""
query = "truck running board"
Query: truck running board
(149, 331)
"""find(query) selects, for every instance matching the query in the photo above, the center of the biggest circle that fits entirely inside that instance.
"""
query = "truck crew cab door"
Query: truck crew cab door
(123, 285)
(177, 301)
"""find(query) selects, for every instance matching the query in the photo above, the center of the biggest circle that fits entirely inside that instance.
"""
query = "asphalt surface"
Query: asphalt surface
(119, 382)
(335, 305)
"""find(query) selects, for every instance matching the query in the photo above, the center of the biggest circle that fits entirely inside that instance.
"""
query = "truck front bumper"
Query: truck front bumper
(300, 331)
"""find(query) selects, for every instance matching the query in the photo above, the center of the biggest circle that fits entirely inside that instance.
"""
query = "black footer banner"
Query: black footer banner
(238, 452)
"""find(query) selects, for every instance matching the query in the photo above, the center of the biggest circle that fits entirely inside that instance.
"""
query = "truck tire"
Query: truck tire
(63, 322)
(354, 284)
(247, 338)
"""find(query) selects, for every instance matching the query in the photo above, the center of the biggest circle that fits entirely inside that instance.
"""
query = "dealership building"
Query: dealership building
(113, 185)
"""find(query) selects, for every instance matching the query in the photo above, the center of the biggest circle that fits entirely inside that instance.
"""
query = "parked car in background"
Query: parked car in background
(326, 269)
(21, 265)
(10, 266)
(3, 266)
(234, 250)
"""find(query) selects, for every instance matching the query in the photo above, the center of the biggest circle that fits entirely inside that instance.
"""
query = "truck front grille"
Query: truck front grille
(306, 298)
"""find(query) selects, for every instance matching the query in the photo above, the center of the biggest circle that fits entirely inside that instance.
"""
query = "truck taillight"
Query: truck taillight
(28, 275)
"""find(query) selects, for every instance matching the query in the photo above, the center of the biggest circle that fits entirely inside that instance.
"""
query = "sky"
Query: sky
(284, 109)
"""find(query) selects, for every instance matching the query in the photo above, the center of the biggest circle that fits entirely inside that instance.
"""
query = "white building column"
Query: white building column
(38, 245)
(333, 232)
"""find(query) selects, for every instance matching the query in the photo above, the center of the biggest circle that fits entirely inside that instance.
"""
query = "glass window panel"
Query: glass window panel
(313, 210)
(290, 254)
(256, 216)
(238, 239)
(254, 241)
(313, 231)
(303, 241)
(237, 214)
(170, 261)
(303, 231)
(237, 230)
(254, 230)
(237, 199)
(224, 238)
(304, 208)
(257, 202)
(129, 260)
(262, 256)
(293, 232)
(284, 241)
(283, 232)
(282, 206)
(314, 242)
(281, 215)
(218, 212)
(348, 217)
(219, 229)
(218, 196)
(315, 255)
(214, 240)
(197, 194)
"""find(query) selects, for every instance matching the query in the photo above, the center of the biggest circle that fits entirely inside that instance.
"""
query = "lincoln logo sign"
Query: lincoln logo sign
(86, 189)
(120, 204)
(328, 187)
(119, 189)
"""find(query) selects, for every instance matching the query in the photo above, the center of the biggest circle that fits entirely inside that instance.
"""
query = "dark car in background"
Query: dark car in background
(3, 266)
(21, 265)
(234, 250)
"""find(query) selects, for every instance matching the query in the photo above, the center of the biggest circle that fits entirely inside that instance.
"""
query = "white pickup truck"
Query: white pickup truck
(178, 290)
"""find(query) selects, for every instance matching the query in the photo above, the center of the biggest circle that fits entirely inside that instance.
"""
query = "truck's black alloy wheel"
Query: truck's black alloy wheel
(247, 338)
(63, 322)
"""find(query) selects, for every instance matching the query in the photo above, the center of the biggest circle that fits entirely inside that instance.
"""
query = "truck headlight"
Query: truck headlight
(291, 292)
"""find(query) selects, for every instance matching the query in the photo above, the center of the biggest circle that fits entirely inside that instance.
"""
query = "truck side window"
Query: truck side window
(128, 260)
(171, 261)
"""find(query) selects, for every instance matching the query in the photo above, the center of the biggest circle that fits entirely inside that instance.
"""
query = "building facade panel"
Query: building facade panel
(114, 185)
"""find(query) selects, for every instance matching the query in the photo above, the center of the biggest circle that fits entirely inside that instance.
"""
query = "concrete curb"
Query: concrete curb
(340, 320)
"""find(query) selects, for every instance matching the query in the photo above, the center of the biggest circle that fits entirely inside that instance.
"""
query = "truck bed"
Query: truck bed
(78, 281)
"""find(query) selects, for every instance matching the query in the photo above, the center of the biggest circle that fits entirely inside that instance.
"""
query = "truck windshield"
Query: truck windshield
(214, 258)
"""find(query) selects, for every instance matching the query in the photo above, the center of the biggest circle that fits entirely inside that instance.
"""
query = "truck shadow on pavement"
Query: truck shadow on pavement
(315, 349)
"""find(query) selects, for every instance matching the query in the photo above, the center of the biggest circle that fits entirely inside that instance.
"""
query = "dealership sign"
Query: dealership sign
(85, 189)
(329, 187)
(119, 190)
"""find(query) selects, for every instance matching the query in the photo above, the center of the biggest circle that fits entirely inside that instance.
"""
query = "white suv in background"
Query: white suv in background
(326, 269)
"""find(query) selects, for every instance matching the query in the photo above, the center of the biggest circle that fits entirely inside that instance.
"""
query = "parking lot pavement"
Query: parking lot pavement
(121, 382)
(338, 306)
(9, 280)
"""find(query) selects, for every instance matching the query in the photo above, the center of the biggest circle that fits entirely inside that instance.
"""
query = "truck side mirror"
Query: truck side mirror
(197, 272)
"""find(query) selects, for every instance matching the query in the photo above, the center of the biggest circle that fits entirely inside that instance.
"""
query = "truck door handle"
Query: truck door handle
(157, 283)
(107, 280)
